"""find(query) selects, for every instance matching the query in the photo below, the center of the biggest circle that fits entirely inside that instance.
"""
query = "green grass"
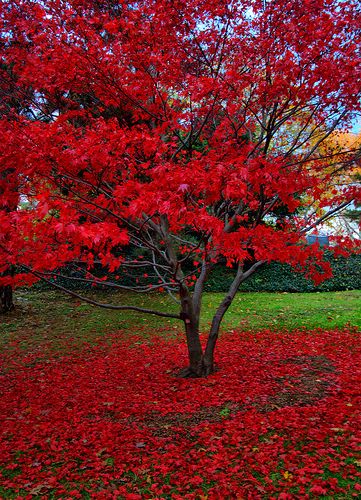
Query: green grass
(294, 310)
(51, 317)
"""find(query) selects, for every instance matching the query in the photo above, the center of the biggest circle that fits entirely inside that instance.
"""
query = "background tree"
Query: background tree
(164, 127)
(13, 101)
(7, 205)
(347, 221)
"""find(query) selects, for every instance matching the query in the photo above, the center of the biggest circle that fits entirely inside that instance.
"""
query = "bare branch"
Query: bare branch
(101, 304)
(327, 216)
(110, 284)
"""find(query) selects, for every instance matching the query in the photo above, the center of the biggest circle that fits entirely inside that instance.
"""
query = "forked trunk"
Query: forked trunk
(202, 364)
(6, 299)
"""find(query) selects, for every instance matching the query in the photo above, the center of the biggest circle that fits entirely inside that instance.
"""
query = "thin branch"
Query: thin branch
(327, 134)
(167, 288)
(110, 284)
(327, 216)
(101, 304)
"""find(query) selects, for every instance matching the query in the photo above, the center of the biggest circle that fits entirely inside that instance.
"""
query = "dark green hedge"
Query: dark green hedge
(273, 277)
(276, 277)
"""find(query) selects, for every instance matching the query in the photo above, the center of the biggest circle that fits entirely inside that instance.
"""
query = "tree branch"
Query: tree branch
(101, 304)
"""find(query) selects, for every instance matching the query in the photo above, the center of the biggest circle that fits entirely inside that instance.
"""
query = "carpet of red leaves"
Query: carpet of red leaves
(280, 419)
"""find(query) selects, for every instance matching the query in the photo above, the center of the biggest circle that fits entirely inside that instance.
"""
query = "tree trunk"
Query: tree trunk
(191, 325)
(199, 364)
(202, 364)
(208, 358)
(6, 299)
(195, 354)
(6, 291)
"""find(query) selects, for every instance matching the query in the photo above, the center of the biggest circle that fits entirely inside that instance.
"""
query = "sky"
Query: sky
(356, 128)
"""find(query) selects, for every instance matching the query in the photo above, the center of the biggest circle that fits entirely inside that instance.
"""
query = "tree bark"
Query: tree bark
(191, 325)
(188, 311)
(6, 291)
(6, 299)
(208, 358)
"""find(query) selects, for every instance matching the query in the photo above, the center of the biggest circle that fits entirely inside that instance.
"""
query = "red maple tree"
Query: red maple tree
(164, 137)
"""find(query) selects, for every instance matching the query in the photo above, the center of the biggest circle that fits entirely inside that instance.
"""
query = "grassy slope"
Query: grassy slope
(50, 316)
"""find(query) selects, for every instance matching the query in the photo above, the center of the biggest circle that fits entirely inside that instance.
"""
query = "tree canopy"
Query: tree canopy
(163, 137)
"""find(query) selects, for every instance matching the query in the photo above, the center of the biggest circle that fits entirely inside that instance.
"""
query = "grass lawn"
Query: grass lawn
(90, 406)
(53, 317)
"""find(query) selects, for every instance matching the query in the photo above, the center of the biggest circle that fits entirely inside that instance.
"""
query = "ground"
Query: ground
(91, 407)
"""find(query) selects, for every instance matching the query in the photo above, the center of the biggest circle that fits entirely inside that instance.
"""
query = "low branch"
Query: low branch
(101, 304)
(111, 284)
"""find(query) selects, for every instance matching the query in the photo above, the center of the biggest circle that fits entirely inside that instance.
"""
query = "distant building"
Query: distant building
(322, 240)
